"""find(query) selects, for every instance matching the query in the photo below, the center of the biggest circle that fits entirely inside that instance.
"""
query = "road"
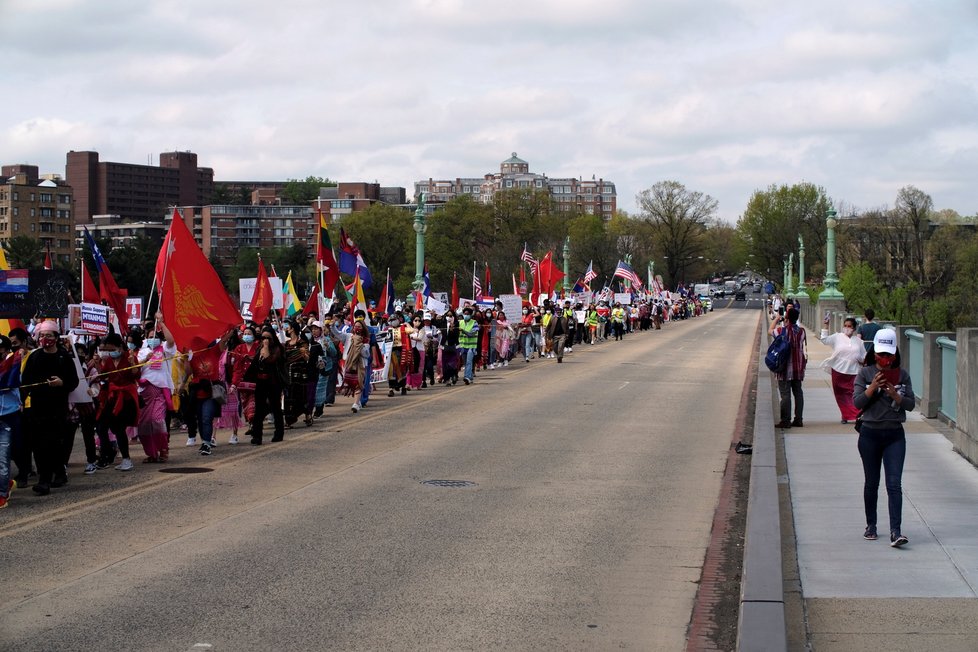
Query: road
(594, 487)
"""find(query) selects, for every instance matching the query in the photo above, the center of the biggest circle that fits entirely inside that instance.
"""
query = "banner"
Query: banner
(380, 375)
(512, 306)
(134, 308)
(624, 298)
(246, 290)
(435, 306)
(94, 319)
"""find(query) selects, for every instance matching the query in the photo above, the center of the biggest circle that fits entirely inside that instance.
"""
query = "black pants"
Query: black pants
(44, 435)
(886, 447)
(117, 424)
(787, 389)
(268, 400)
(430, 358)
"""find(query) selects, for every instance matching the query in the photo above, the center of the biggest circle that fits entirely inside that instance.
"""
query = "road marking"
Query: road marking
(623, 385)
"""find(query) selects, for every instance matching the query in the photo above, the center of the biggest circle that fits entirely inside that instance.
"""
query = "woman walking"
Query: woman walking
(241, 357)
(269, 375)
(845, 362)
(155, 391)
(356, 354)
(883, 393)
(297, 360)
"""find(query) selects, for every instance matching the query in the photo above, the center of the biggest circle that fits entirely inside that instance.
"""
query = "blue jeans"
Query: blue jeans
(527, 342)
(886, 447)
(469, 358)
(367, 386)
(200, 416)
(6, 435)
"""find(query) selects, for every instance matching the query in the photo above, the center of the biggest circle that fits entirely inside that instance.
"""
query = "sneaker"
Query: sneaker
(797, 423)
(526, 359)
(870, 533)
(213, 442)
(125, 466)
(90, 468)
(356, 407)
(506, 364)
(3, 502)
(191, 441)
(103, 464)
(205, 449)
(233, 439)
(568, 350)
(466, 381)
(897, 540)
(41, 489)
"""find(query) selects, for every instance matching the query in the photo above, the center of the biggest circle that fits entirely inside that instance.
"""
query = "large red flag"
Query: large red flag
(550, 274)
(195, 305)
(261, 300)
(455, 291)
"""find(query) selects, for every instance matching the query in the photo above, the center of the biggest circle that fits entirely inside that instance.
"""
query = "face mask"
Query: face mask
(103, 354)
(275, 327)
(152, 342)
(466, 317)
(526, 312)
(247, 339)
(131, 346)
(848, 331)
(115, 355)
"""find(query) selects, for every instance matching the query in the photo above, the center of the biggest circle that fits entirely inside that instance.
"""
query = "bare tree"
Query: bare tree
(678, 217)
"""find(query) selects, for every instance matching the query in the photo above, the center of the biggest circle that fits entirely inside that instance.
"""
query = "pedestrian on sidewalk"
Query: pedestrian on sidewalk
(790, 379)
(883, 393)
(868, 329)
(845, 362)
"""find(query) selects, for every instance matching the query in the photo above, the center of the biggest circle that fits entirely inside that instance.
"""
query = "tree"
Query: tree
(458, 234)
(385, 235)
(133, 265)
(859, 284)
(299, 192)
(678, 217)
(24, 252)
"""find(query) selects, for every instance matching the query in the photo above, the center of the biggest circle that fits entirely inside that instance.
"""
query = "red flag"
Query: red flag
(89, 293)
(455, 291)
(312, 305)
(47, 258)
(113, 296)
(325, 257)
(550, 274)
(488, 282)
(195, 305)
(516, 290)
(261, 299)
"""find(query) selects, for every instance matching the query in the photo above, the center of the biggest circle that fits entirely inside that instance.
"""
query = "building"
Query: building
(349, 197)
(39, 207)
(594, 197)
(120, 232)
(139, 193)
(221, 230)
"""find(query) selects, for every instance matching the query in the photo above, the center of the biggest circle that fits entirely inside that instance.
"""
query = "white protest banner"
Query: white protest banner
(583, 298)
(435, 306)
(94, 319)
(80, 393)
(380, 375)
(580, 316)
(512, 306)
(624, 298)
(246, 290)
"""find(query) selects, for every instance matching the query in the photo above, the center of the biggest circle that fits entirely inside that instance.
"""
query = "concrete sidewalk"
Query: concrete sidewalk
(860, 594)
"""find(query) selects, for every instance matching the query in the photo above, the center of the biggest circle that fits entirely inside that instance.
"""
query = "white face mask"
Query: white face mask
(848, 330)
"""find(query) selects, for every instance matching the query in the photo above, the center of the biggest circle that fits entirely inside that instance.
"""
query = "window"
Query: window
(47, 212)
(16, 211)
(539, 183)
(16, 225)
(33, 212)
(33, 227)
(47, 197)
(16, 196)
(64, 199)
(32, 197)
(509, 183)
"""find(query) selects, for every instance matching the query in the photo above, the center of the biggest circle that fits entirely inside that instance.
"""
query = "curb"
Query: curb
(761, 623)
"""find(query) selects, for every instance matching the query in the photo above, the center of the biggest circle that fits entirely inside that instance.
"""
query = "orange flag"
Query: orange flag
(261, 300)
(195, 305)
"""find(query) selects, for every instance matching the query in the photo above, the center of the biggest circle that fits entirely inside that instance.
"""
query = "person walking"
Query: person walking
(156, 390)
(868, 329)
(790, 379)
(118, 398)
(269, 374)
(845, 362)
(10, 408)
(468, 342)
(883, 393)
(557, 332)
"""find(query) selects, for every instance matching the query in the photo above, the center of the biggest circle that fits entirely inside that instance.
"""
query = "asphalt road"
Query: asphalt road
(595, 483)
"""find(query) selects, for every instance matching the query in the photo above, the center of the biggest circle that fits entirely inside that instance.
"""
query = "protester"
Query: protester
(10, 408)
(790, 379)
(268, 372)
(200, 407)
(557, 334)
(468, 342)
(356, 356)
(241, 357)
(883, 393)
(502, 339)
(48, 376)
(118, 399)
(844, 363)
(156, 390)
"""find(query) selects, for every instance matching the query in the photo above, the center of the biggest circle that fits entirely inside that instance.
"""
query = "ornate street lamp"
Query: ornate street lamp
(831, 290)
(567, 252)
(419, 229)
(801, 265)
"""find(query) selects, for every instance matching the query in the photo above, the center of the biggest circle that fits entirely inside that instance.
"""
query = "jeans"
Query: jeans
(469, 357)
(886, 446)
(787, 389)
(527, 342)
(366, 389)
(331, 379)
(6, 438)
(199, 415)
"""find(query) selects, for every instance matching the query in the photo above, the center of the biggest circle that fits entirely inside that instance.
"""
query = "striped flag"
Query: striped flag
(624, 271)
(590, 274)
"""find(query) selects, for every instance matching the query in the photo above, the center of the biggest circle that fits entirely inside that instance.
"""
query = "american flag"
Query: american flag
(590, 274)
(624, 270)
(527, 257)
(476, 288)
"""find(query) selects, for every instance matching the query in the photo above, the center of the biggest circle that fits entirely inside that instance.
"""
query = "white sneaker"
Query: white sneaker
(356, 407)
(213, 441)
(568, 350)
(506, 364)
(233, 439)
(125, 466)
(191, 441)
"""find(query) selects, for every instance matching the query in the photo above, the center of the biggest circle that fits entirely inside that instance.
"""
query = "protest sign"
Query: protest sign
(624, 298)
(512, 306)
(94, 319)
(134, 308)
(435, 306)
(246, 290)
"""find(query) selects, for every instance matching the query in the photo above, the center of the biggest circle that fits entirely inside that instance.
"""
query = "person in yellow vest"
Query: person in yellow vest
(618, 321)
(468, 342)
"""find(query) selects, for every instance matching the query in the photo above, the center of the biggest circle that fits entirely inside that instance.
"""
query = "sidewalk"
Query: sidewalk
(861, 594)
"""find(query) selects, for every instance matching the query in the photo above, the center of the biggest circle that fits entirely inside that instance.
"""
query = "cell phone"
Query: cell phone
(892, 376)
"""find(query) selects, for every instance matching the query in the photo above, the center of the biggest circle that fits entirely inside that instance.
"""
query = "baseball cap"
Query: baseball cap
(885, 341)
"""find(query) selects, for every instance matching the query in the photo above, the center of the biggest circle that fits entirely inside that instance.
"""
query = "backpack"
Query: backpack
(779, 352)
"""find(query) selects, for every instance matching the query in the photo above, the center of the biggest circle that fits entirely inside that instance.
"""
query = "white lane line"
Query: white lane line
(623, 385)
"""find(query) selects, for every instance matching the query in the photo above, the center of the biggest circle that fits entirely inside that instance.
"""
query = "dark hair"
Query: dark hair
(4, 342)
(849, 320)
(113, 339)
(359, 312)
(871, 357)
(870, 313)
(791, 315)
(20, 333)
(136, 338)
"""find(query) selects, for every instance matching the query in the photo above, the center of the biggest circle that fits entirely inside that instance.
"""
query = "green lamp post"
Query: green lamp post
(419, 229)
(831, 290)
(801, 265)
(567, 285)
(784, 279)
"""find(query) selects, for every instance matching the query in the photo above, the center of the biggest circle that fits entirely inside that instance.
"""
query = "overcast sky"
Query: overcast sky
(860, 97)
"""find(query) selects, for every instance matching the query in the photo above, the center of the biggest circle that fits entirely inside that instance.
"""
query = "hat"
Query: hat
(427, 316)
(315, 323)
(47, 326)
(885, 341)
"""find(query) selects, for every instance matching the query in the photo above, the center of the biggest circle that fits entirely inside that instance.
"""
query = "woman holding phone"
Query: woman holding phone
(883, 394)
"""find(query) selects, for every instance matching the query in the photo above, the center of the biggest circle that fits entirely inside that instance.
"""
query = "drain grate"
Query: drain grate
(449, 483)
(186, 469)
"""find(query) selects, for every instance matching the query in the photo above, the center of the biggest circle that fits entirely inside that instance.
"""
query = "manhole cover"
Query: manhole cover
(449, 483)
(186, 469)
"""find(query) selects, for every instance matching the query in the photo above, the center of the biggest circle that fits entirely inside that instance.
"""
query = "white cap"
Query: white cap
(885, 341)
(427, 316)
(315, 323)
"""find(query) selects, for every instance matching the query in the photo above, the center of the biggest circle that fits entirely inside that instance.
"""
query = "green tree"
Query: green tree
(222, 195)
(678, 217)
(24, 252)
(385, 236)
(302, 191)
(133, 265)
(458, 234)
(859, 284)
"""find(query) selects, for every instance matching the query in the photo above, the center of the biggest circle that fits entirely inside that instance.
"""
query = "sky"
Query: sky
(726, 97)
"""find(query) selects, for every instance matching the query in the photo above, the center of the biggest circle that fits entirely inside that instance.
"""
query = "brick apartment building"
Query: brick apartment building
(594, 197)
(350, 197)
(39, 207)
(139, 193)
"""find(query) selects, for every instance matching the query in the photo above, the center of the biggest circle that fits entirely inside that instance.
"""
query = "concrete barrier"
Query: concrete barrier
(761, 624)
